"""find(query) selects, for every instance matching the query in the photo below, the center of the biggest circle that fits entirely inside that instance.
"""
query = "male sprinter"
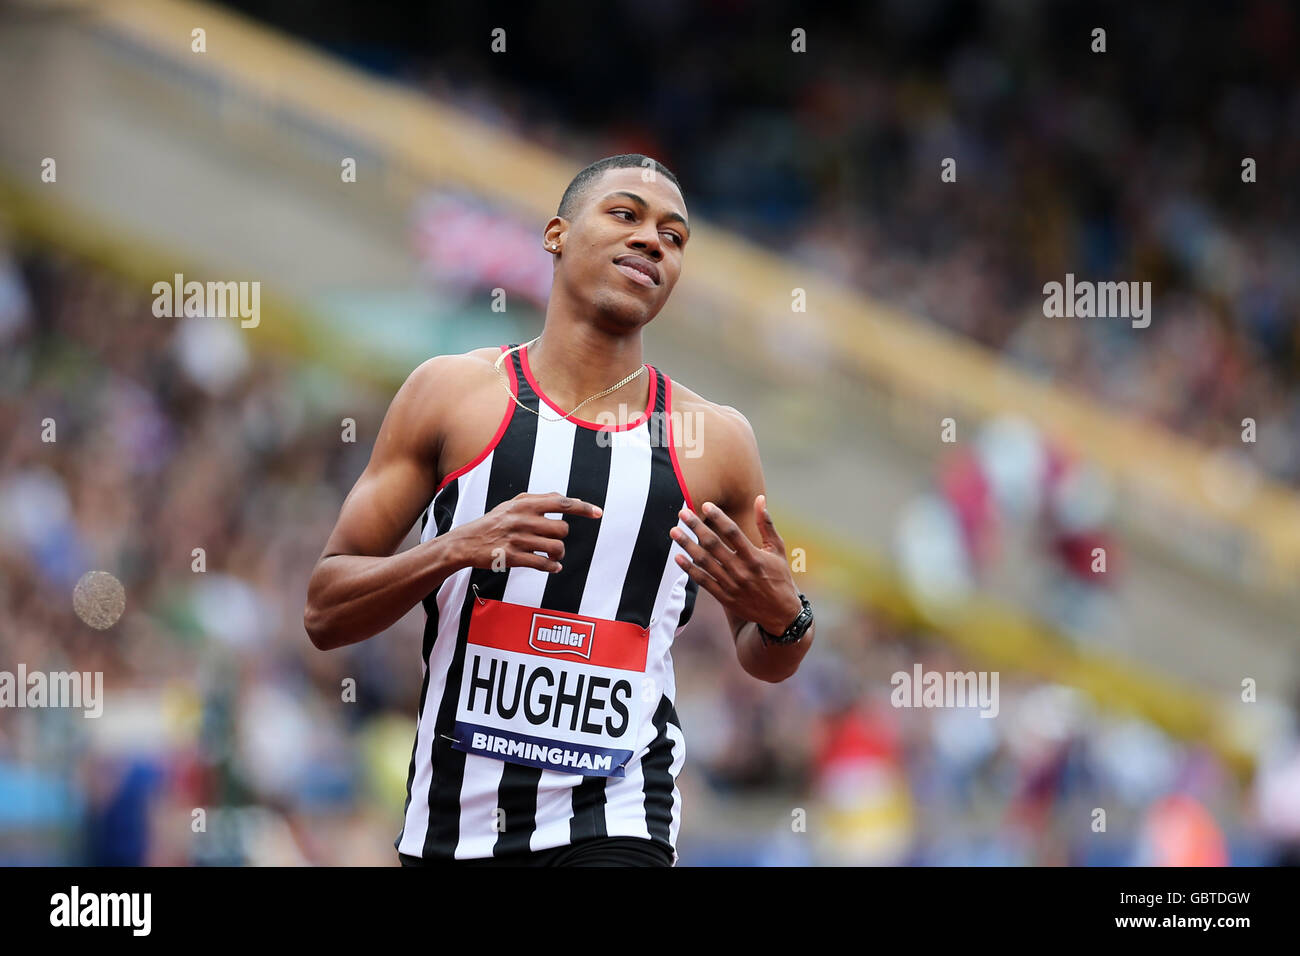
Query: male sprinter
(559, 555)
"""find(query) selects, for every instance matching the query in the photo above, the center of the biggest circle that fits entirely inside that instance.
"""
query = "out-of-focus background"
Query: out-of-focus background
(1105, 516)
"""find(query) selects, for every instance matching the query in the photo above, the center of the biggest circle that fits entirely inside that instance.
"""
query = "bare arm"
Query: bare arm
(359, 587)
(740, 559)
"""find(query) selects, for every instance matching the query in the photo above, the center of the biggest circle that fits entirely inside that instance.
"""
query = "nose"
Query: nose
(646, 241)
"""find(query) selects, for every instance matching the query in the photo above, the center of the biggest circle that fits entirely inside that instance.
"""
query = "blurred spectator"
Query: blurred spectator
(1126, 165)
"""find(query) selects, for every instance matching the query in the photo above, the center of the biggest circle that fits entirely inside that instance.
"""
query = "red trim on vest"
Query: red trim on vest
(672, 447)
(496, 439)
(644, 416)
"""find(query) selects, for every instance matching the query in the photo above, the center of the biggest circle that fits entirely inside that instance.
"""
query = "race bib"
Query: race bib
(551, 690)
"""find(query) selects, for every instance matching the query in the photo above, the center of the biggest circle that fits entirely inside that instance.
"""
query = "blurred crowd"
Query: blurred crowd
(883, 784)
(1122, 165)
(206, 477)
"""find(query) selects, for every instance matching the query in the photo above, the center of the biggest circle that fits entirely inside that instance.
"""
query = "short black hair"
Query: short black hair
(573, 197)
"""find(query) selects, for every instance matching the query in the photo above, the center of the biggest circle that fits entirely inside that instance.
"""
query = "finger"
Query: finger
(544, 527)
(702, 578)
(718, 558)
(707, 549)
(552, 547)
(766, 526)
(563, 504)
(728, 531)
(706, 536)
(526, 559)
(702, 558)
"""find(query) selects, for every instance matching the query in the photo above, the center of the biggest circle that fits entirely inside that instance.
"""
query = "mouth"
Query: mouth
(639, 269)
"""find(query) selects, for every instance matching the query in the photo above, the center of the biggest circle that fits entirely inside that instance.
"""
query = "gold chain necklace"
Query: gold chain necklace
(506, 385)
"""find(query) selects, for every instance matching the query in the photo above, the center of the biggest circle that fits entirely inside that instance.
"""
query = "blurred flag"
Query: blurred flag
(468, 245)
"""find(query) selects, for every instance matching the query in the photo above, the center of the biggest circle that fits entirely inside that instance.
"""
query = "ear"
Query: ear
(553, 234)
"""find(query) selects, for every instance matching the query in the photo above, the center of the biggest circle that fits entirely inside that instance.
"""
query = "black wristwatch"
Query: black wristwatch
(795, 631)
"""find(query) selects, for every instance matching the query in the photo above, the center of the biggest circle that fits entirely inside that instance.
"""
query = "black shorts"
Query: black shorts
(601, 851)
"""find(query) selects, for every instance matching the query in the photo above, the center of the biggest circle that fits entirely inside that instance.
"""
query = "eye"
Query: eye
(629, 212)
(677, 240)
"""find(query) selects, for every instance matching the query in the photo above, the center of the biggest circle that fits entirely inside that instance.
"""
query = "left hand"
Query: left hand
(753, 584)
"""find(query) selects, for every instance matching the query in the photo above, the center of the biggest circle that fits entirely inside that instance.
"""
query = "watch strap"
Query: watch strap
(798, 627)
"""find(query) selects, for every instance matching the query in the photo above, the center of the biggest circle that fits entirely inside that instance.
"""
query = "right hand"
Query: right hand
(518, 528)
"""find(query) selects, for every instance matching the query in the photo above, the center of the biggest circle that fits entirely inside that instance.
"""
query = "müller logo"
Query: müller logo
(558, 635)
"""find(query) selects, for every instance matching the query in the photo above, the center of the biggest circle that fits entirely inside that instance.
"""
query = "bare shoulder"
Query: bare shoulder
(438, 393)
(716, 449)
(732, 428)
(469, 364)
(449, 378)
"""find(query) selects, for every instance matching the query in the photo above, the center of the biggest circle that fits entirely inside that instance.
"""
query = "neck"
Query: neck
(572, 361)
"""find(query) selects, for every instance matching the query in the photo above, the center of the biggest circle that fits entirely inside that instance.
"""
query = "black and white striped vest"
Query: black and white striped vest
(546, 713)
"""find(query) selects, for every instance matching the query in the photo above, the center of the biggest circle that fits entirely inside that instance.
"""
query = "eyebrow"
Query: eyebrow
(674, 216)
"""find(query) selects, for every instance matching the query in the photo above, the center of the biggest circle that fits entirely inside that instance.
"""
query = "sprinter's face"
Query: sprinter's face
(622, 253)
